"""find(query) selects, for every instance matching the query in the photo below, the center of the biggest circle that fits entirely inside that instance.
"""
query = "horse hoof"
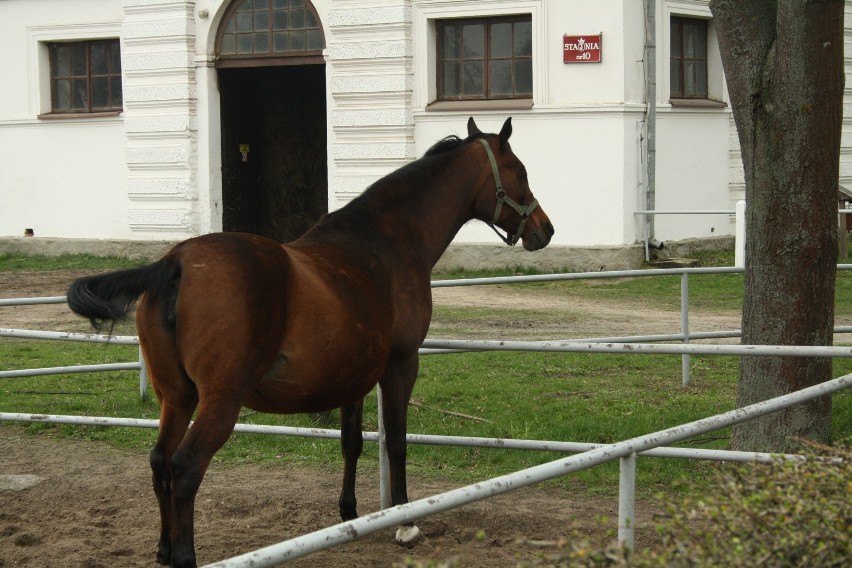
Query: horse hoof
(407, 536)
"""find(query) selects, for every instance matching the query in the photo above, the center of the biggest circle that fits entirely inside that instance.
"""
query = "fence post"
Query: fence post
(143, 377)
(626, 500)
(740, 232)
(384, 471)
(684, 322)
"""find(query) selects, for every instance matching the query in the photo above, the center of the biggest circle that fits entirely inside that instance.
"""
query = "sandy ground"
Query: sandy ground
(92, 506)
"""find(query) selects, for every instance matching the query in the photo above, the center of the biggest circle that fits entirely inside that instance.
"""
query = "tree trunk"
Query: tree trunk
(783, 62)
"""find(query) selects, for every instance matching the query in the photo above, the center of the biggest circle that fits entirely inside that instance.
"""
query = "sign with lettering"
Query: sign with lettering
(581, 49)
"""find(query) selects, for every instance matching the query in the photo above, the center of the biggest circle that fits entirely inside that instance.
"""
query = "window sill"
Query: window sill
(70, 115)
(697, 103)
(497, 104)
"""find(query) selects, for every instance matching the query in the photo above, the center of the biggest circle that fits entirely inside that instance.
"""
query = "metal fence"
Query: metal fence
(625, 451)
(429, 346)
(685, 336)
(68, 336)
(591, 455)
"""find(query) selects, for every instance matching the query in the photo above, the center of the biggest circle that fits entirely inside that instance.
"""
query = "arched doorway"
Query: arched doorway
(273, 116)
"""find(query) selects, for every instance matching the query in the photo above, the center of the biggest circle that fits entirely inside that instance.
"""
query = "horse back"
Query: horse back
(285, 328)
(370, 292)
(342, 331)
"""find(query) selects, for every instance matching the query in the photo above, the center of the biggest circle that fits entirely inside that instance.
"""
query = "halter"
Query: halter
(502, 198)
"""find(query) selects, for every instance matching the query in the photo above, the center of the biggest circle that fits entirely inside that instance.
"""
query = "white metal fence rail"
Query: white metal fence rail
(651, 445)
(627, 449)
(628, 464)
(684, 336)
(429, 347)
(415, 439)
(69, 336)
(593, 454)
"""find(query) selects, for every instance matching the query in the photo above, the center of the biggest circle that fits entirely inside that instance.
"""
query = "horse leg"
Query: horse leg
(178, 399)
(396, 392)
(209, 432)
(174, 421)
(351, 442)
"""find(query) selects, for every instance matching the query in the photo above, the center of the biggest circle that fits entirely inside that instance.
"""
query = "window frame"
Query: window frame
(271, 57)
(110, 76)
(487, 21)
(676, 23)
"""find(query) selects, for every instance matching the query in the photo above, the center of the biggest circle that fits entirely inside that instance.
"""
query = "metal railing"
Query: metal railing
(69, 336)
(685, 336)
(625, 451)
(429, 346)
(592, 454)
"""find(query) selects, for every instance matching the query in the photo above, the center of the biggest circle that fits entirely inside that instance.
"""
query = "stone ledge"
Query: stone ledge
(462, 255)
(581, 259)
(49, 246)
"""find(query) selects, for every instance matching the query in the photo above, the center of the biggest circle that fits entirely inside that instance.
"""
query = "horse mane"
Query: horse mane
(449, 143)
(366, 200)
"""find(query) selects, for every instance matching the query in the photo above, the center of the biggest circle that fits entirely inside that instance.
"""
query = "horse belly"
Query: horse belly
(295, 386)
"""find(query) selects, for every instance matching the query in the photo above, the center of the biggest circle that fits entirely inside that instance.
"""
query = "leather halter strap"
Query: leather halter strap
(502, 198)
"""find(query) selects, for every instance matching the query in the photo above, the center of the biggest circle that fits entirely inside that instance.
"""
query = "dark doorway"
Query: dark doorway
(274, 163)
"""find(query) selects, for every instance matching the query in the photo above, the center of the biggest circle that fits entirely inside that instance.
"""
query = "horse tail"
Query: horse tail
(109, 297)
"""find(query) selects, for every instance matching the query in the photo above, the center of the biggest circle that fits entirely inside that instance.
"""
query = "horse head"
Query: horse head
(505, 199)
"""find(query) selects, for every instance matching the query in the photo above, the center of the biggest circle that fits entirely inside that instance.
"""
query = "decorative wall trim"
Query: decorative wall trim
(369, 57)
(158, 59)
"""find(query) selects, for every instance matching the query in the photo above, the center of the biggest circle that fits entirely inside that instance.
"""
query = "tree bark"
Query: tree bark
(783, 62)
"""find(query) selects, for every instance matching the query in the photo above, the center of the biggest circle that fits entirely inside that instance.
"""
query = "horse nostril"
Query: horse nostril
(549, 228)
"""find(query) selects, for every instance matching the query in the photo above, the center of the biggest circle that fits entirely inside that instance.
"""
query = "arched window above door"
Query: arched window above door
(269, 32)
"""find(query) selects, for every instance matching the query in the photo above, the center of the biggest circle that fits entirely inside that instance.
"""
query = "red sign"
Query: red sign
(581, 49)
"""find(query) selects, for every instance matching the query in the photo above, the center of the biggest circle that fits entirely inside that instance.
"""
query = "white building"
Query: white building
(260, 115)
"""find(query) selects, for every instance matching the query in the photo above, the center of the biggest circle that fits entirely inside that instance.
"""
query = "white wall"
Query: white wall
(585, 203)
(595, 84)
(62, 177)
(690, 173)
(73, 183)
(580, 140)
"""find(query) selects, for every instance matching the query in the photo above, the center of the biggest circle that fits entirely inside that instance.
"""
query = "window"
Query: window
(271, 28)
(480, 59)
(85, 76)
(688, 58)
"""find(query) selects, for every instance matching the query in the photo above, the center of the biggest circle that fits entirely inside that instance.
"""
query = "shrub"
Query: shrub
(784, 514)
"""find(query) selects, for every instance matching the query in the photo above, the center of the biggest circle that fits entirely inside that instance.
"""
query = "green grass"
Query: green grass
(18, 262)
(575, 397)
(715, 292)
(591, 398)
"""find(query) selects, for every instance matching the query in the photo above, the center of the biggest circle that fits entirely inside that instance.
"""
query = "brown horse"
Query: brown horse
(232, 319)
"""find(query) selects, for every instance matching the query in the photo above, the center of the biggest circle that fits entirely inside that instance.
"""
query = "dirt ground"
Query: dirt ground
(92, 506)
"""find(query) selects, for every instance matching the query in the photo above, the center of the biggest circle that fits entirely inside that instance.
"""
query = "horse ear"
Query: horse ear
(472, 128)
(505, 132)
